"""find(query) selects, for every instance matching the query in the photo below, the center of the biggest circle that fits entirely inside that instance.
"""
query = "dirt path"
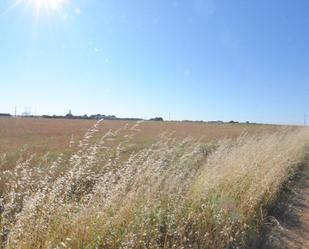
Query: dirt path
(296, 229)
(291, 219)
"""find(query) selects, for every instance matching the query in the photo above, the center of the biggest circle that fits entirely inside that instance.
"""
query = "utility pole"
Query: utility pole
(15, 111)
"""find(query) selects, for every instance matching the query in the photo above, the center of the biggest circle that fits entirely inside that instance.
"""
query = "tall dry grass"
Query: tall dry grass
(170, 194)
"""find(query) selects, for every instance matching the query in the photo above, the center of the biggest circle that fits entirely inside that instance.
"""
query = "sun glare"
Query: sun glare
(40, 6)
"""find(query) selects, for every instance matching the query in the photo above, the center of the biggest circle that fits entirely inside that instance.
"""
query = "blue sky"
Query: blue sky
(198, 59)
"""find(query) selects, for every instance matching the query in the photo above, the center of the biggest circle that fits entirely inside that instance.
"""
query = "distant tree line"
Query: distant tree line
(113, 117)
(157, 119)
(5, 115)
(90, 117)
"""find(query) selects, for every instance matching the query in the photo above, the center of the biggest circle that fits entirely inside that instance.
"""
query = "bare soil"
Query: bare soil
(288, 228)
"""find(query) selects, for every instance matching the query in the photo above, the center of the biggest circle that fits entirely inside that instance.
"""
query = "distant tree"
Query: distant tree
(157, 119)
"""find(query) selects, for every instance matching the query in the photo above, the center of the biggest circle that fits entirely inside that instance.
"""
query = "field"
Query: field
(54, 135)
(118, 184)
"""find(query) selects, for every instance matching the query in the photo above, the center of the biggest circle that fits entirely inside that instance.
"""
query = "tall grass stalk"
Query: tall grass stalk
(171, 194)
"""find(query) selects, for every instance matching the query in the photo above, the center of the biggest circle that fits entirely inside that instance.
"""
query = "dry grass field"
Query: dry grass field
(118, 184)
(53, 135)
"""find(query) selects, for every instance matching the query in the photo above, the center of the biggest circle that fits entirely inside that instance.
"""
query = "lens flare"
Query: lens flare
(43, 6)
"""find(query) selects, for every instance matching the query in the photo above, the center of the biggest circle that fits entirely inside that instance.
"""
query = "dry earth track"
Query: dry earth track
(292, 220)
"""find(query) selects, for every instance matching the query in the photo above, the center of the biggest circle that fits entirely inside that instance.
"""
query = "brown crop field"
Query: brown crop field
(46, 135)
(120, 184)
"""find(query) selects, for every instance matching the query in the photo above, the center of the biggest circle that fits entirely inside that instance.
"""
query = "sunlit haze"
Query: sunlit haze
(41, 7)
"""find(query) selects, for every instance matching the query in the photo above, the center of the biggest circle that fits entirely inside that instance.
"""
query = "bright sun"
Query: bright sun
(43, 5)
(48, 5)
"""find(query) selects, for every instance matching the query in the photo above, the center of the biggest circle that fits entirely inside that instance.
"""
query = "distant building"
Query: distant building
(69, 115)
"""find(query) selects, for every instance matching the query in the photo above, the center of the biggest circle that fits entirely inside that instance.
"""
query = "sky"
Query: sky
(242, 60)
